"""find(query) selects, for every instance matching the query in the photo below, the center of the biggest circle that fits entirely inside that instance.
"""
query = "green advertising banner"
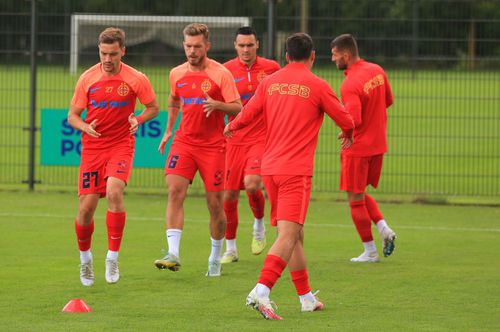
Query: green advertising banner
(60, 143)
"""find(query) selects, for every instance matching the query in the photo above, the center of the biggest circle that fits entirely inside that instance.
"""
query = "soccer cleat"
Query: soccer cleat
(112, 272)
(262, 305)
(229, 256)
(258, 245)
(87, 274)
(366, 257)
(389, 239)
(171, 262)
(214, 268)
(309, 306)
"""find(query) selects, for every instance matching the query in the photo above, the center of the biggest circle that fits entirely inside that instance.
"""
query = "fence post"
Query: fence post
(271, 47)
(414, 43)
(32, 126)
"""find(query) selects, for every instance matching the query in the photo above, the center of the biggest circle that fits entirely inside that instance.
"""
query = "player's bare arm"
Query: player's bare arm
(174, 105)
(210, 105)
(151, 111)
(75, 120)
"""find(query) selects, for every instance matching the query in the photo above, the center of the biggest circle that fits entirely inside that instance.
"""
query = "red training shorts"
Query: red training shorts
(185, 160)
(242, 160)
(96, 166)
(358, 172)
(289, 197)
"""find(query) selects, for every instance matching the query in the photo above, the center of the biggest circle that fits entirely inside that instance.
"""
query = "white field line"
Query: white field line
(311, 224)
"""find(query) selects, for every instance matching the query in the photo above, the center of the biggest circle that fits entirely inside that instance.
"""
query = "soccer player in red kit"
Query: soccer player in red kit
(207, 92)
(293, 102)
(108, 91)
(366, 95)
(244, 149)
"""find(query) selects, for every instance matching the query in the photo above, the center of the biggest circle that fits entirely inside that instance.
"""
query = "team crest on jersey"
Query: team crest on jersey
(123, 89)
(206, 85)
(261, 75)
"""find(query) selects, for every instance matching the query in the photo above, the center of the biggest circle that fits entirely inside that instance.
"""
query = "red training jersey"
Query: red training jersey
(293, 102)
(247, 80)
(110, 100)
(191, 87)
(366, 95)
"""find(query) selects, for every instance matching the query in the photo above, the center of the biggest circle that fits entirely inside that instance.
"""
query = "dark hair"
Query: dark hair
(345, 42)
(299, 46)
(112, 35)
(247, 31)
(196, 29)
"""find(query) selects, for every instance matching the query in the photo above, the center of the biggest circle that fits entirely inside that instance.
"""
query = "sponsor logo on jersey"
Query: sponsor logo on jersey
(123, 89)
(192, 101)
(373, 83)
(109, 103)
(239, 79)
(289, 89)
(206, 85)
(247, 96)
(94, 89)
(180, 85)
(109, 89)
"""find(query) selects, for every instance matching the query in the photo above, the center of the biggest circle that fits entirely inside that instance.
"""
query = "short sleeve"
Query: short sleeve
(228, 87)
(80, 97)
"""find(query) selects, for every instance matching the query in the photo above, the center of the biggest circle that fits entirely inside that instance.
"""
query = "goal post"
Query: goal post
(85, 29)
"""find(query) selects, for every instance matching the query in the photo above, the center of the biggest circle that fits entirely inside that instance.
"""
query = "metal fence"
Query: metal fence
(442, 58)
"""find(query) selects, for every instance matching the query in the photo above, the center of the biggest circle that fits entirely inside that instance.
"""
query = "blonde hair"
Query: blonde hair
(112, 35)
(196, 29)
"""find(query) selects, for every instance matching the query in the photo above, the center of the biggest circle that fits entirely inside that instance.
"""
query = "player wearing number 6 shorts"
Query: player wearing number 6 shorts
(206, 92)
(108, 91)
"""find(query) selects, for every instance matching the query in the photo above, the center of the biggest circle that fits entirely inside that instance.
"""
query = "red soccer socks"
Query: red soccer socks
(301, 281)
(115, 223)
(271, 271)
(361, 220)
(257, 203)
(373, 209)
(84, 235)
(231, 210)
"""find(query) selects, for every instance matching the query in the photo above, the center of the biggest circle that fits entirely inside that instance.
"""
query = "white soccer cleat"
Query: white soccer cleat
(262, 305)
(366, 257)
(112, 271)
(214, 268)
(388, 241)
(310, 306)
(87, 273)
(229, 256)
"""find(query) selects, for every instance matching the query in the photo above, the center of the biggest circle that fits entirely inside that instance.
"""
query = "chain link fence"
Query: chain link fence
(441, 56)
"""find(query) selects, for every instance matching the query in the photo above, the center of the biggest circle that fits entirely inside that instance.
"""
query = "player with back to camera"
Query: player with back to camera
(244, 149)
(293, 102)
(207, 92)
(366, 94)
(108, 91)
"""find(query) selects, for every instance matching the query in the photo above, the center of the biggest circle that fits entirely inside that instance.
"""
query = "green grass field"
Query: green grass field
(443, 133)
(443, 276)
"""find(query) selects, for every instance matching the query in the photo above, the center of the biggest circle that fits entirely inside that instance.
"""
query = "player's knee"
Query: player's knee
(176, 194)
(252, 185)
(85, 214)
(231, 195)
(114, 196)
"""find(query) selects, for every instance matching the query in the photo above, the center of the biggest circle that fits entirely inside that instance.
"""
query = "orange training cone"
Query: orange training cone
(77, 305)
